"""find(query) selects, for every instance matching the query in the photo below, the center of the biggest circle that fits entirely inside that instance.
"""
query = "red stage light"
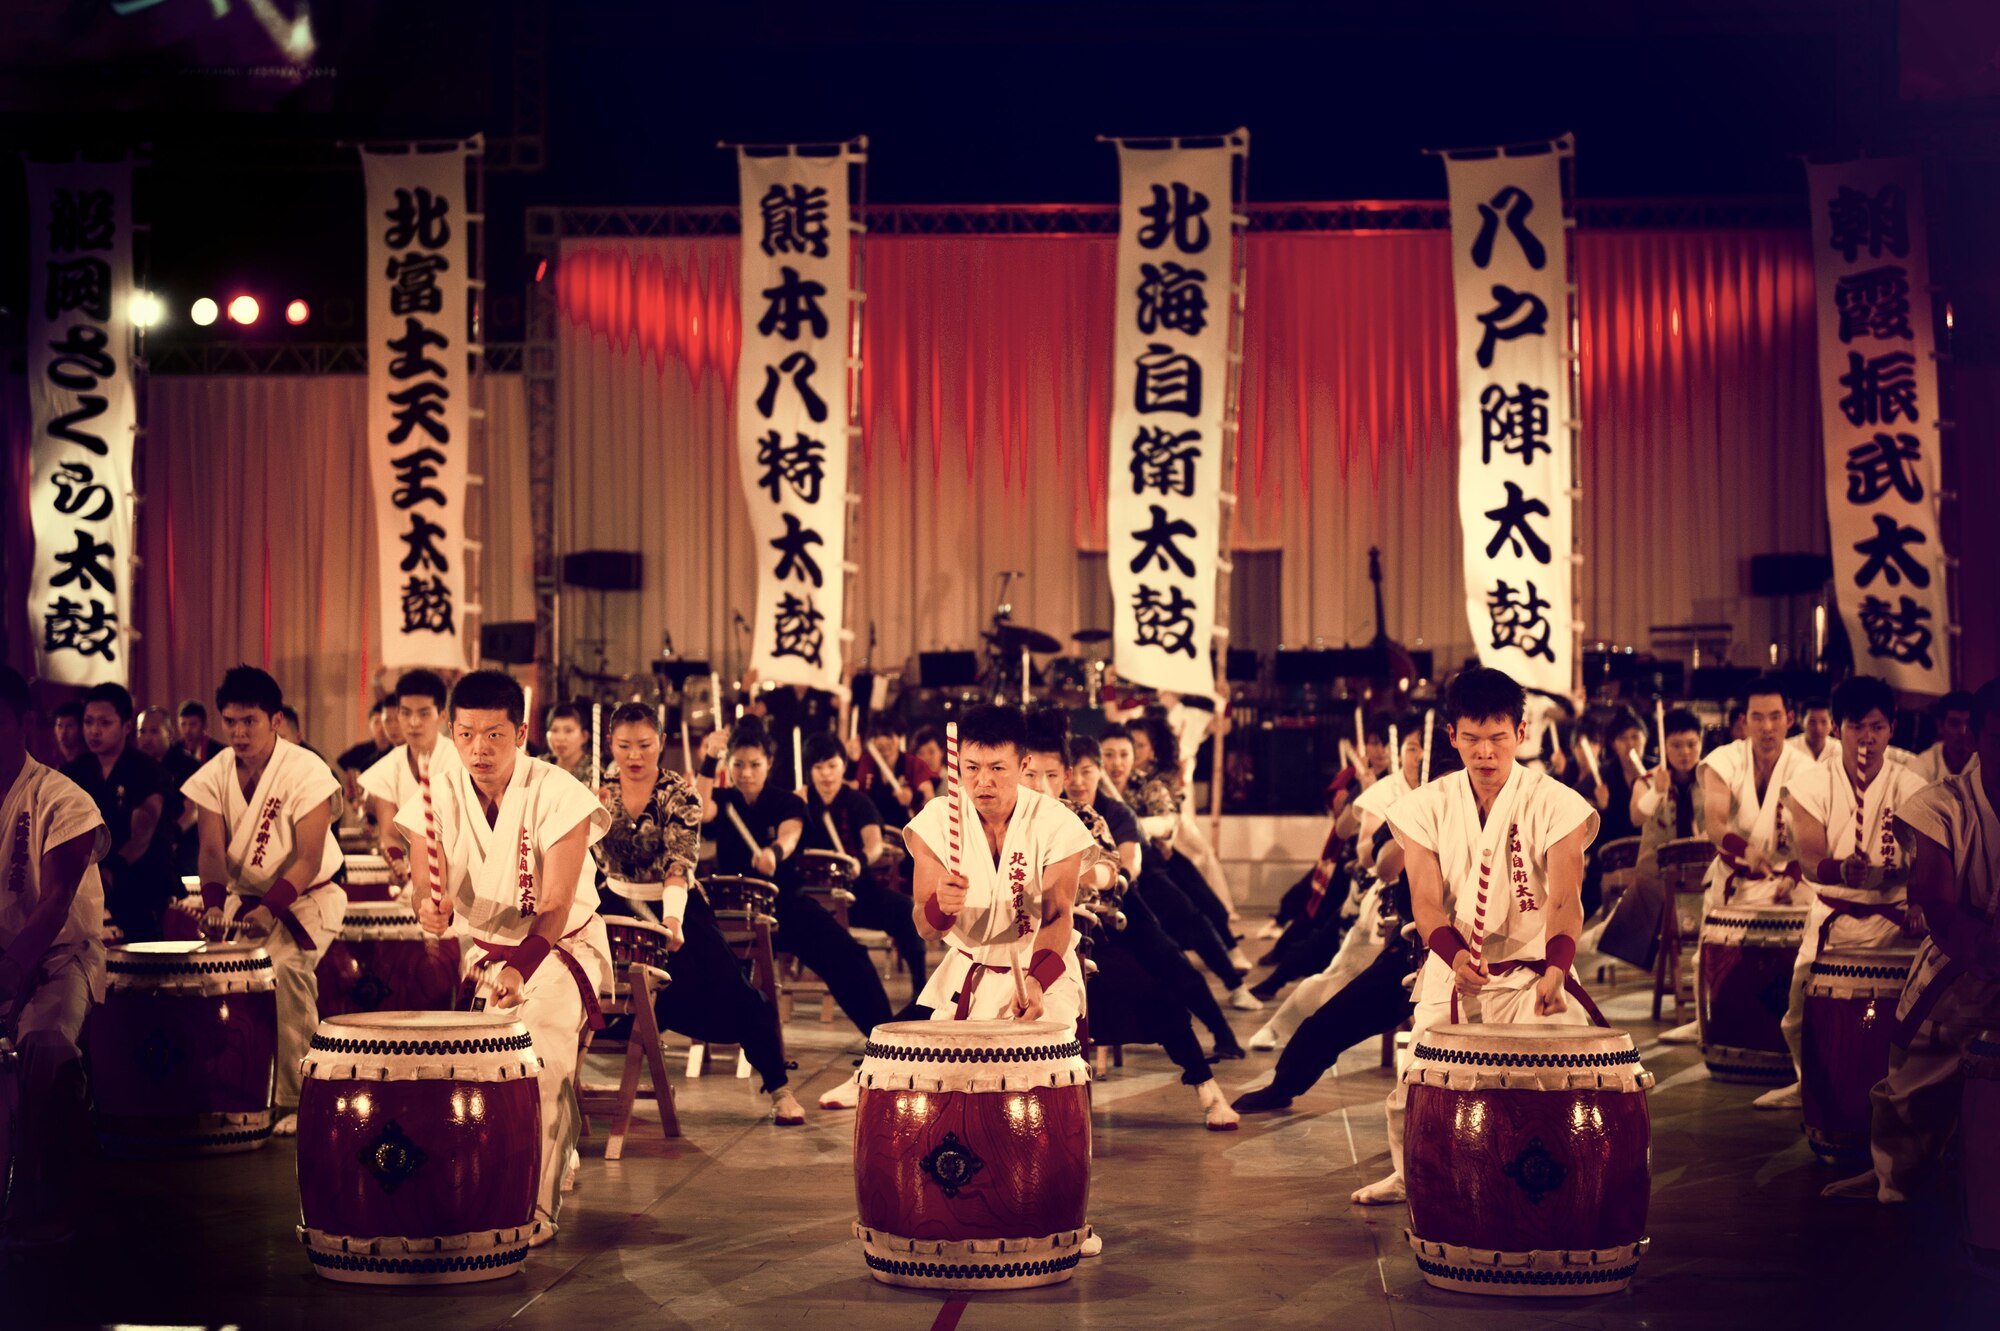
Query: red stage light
(297, 312)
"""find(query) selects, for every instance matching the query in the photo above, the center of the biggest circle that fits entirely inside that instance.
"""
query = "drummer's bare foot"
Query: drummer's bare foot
(1093, 1244)
(1243, 1000)
(1383, 1192)
(286, 1126)
(570, 1170)
(1862, 1188)
(1785, 1097)
(1217, 1116)
(844, 1096)
(1264, 1040)
(785, 1111)
(1688, 1034)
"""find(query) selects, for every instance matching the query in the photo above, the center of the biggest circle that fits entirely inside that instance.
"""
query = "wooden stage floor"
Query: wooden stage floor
(742, 1224)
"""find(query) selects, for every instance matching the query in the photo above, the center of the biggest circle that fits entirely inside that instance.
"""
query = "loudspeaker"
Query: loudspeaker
(603, 570)
(1788, 574)
(510, 642)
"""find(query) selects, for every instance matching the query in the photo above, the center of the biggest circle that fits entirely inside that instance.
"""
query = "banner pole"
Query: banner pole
(1232, 402)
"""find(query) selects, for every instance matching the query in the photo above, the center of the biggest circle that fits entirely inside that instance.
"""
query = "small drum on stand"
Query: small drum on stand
(639, 942)
(1850, 1014)
(738, 899)
(419, 1147)
(827, 871)
(384, 960)
(1979, 1152)
(972, 1154)
(182, 921)
(368, 879)
(1527, 1150)
(183, 1051)
(1747, 954)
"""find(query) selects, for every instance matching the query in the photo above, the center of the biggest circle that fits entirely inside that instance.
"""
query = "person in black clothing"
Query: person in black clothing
(1144, 936)
(1372, 1002)
(192, 747)
(67, 723)
(794, 707)
(757, 826)
(358, 759)
(648, 856)
(130, 791)
(856, 832)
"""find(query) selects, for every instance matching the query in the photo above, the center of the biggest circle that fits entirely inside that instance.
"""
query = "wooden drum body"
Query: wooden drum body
(384, 961)
(637, 942)
(183, 1051)
(1527, 1151)
(368, 879)
(1747, 955)
(972, 1154)
(419, 1147)
(1850, 1014)
(1979, 1152)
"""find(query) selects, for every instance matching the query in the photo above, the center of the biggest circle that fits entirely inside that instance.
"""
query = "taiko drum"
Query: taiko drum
(1850, 1014)
(1747, 955)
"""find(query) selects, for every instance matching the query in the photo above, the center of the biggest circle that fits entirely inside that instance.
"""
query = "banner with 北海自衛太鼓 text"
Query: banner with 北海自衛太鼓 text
(1163, 518)
(1510, 310)
(791, 409)
(418, 414)
(83, 412)
(1879, 413)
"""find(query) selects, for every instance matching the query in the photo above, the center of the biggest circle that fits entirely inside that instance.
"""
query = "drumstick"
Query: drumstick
(1360, 740)
(687, 749)
(1589, 756)
(433, 849)
(1660, 725)
(798, 757)
(1424, 774)
(737, 820)
(715, 699)
(951, 774)
(596, 729)
(1395, 748)
(832, 832)
(888, 773)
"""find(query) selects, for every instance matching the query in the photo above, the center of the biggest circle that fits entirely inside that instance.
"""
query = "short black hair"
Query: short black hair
(116, 696)
(1166, 748)
(1854, 698)
(1767, 686)
(1737, 711)
(247, 686)
(481, 691)
(289, 712)
(1816, 703)
(69, 710)
(749, 733)
(14, 692)
(628, 714)
(378, 706)
(1375, 728)
(1048, 732)
(424, 684)
(568, 711)
(882, 723)
(992, 726)
(1679, 721)
(1478, 693)
(820, 748)
(1619, 722)
(1958, 700)
(194, 709)
(1083, 749)
(927, 735)
(1116, 730)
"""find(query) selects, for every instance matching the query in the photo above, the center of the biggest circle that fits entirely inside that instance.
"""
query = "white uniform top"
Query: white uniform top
(1828, 795)
(393, 776)
(1379, 798)
(258, 832)
(494, 870)
(1531, 814)
(1931, 766)
(1956, 815)
(44, 808)
(1040, 833)
(1758, 821)
(1828, 756)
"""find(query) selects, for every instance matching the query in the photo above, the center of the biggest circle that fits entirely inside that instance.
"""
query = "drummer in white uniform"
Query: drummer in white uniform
(1007, 909)
(1494, 856)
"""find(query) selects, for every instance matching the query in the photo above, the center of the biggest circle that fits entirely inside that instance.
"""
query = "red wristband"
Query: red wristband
(1735, 847)
(935, 915)
(394, 852)
(529, 955)
(1046, 968)
(1828, 871)
(213, 896)
(1447, 942)
(278, 897)
(1561, 952)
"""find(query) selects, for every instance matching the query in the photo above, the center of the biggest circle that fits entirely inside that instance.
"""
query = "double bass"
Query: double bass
(1395, 672)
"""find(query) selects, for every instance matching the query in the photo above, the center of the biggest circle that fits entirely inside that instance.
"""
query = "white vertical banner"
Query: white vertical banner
(792, 409)
(1163, 518)
(81, 403)
(1879, 413)
(418, 421)
(1510, 312)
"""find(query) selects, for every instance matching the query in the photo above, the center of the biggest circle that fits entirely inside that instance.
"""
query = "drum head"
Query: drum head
(378, 912)
(1507, 1041)
(963, 1034)
(158, 951)
(615, 927)
(400, 1027)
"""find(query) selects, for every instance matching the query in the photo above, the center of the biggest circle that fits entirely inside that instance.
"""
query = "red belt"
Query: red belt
(593, 1014)
(284, 917)
(1860, 910)
(1571, 986)
(962, 1000)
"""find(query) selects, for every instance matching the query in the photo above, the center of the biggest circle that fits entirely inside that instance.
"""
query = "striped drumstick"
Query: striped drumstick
(433, 851)
(951, 781)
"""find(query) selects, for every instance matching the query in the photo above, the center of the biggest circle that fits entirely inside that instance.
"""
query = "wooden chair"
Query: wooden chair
(1617, 868)
(746, 913)
(1683, 865)
(637, 984)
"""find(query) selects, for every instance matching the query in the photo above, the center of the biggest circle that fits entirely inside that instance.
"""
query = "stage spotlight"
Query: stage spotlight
(244, 310)
(297, 312)
(146, 309)
(203, 312)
